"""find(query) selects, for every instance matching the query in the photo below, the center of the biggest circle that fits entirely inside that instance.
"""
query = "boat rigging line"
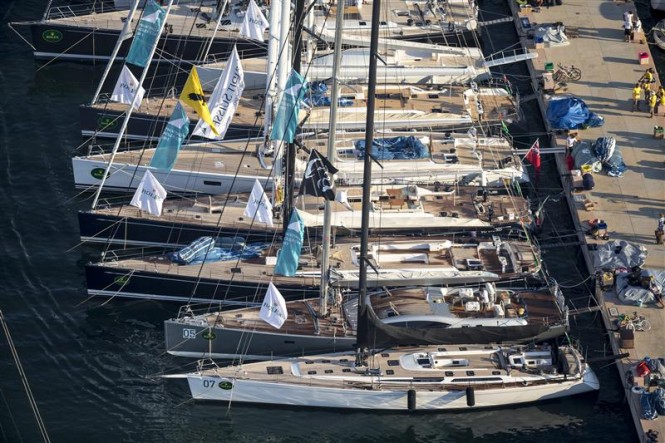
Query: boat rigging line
(24, 380)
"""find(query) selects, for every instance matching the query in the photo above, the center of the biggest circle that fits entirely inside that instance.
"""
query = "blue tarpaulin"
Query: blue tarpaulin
(571, 113)
(207, 249)
(399, 148)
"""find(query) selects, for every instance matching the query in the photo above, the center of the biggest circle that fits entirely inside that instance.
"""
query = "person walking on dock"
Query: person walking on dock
(571, 141)
(652, 103)
(627, 25)
(637, 93)
(660, 96)
(647, 80)
(660, 230)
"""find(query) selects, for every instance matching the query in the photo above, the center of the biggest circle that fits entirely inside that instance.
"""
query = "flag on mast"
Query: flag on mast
(317, 179)
(259, 206)
(533, 155)
(287, 259)
(171, 140)
(192, 95)
(224, 99)
(149, 195)
(147, 32)
(126, 87)
(254, 24)
(273, 309)
(286, 119)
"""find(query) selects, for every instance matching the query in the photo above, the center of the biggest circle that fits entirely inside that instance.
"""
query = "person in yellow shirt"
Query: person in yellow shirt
(646, 80)
(660, 99)
(637, 93)
(652, 103)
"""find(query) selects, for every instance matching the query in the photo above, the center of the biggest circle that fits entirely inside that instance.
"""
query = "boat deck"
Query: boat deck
(195, 19)
(459, 154)
(541, 306)
(300, 321)
(455, 209)
(398, 265)
(398, 106)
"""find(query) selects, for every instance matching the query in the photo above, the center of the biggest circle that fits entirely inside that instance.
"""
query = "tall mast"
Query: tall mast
(271, 69)
(363, 321)
(122, 129)
(289, 158)
(124, 35)
(334, 92)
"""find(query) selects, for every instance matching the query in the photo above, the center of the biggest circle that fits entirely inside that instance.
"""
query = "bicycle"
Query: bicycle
(564, 73)
(634, 322)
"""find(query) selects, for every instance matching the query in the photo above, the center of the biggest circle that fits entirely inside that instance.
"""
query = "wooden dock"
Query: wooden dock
(629, 204)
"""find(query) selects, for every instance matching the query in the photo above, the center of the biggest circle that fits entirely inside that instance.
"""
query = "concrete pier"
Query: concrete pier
(629, 204)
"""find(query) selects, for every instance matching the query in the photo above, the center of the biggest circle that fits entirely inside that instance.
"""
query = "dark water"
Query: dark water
(91, 363)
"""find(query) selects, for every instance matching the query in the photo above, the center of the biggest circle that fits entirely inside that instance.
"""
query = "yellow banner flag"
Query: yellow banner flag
(192, 94)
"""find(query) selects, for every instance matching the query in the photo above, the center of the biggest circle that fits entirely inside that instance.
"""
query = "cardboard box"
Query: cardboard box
(539, 45)
(643, 58)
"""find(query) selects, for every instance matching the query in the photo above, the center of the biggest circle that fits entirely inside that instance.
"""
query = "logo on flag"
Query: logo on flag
(317, 179)
(254, 24)
(126, 87)
(224, 99)
(286, 119)
(171, 140)
(273, 309)
(149, 195)
(259, 206)
(287, 259)
(146, 35)
(533, 156)
(192, 95)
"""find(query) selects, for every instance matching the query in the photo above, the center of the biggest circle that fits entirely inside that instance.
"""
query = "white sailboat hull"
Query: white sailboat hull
(124, 177)
(380, 398)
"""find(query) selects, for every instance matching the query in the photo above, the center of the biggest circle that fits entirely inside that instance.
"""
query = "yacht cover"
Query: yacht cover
(568, 112)
(640, 295)
(619, 254)
(553, 36)
(606, 151)
(583, 155)
(396, 148)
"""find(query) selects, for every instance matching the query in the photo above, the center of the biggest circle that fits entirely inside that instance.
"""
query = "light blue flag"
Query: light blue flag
(147, 31)
(287, 260)
(286, 119)
(169, 143)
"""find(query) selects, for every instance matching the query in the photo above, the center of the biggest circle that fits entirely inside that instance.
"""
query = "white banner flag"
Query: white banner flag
(125, 88)
(224, 99)
(149, 195)
(254, 24)
(273, 309)
(259, 206)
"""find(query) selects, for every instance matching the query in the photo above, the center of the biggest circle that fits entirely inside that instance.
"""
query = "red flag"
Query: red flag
(534, 155)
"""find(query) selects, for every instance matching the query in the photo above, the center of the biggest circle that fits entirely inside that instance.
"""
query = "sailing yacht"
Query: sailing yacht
(89, 32)
(237, 272)
(412, 157)
(397, 210)
(439, 315)
(402, 106)
(422, 378)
